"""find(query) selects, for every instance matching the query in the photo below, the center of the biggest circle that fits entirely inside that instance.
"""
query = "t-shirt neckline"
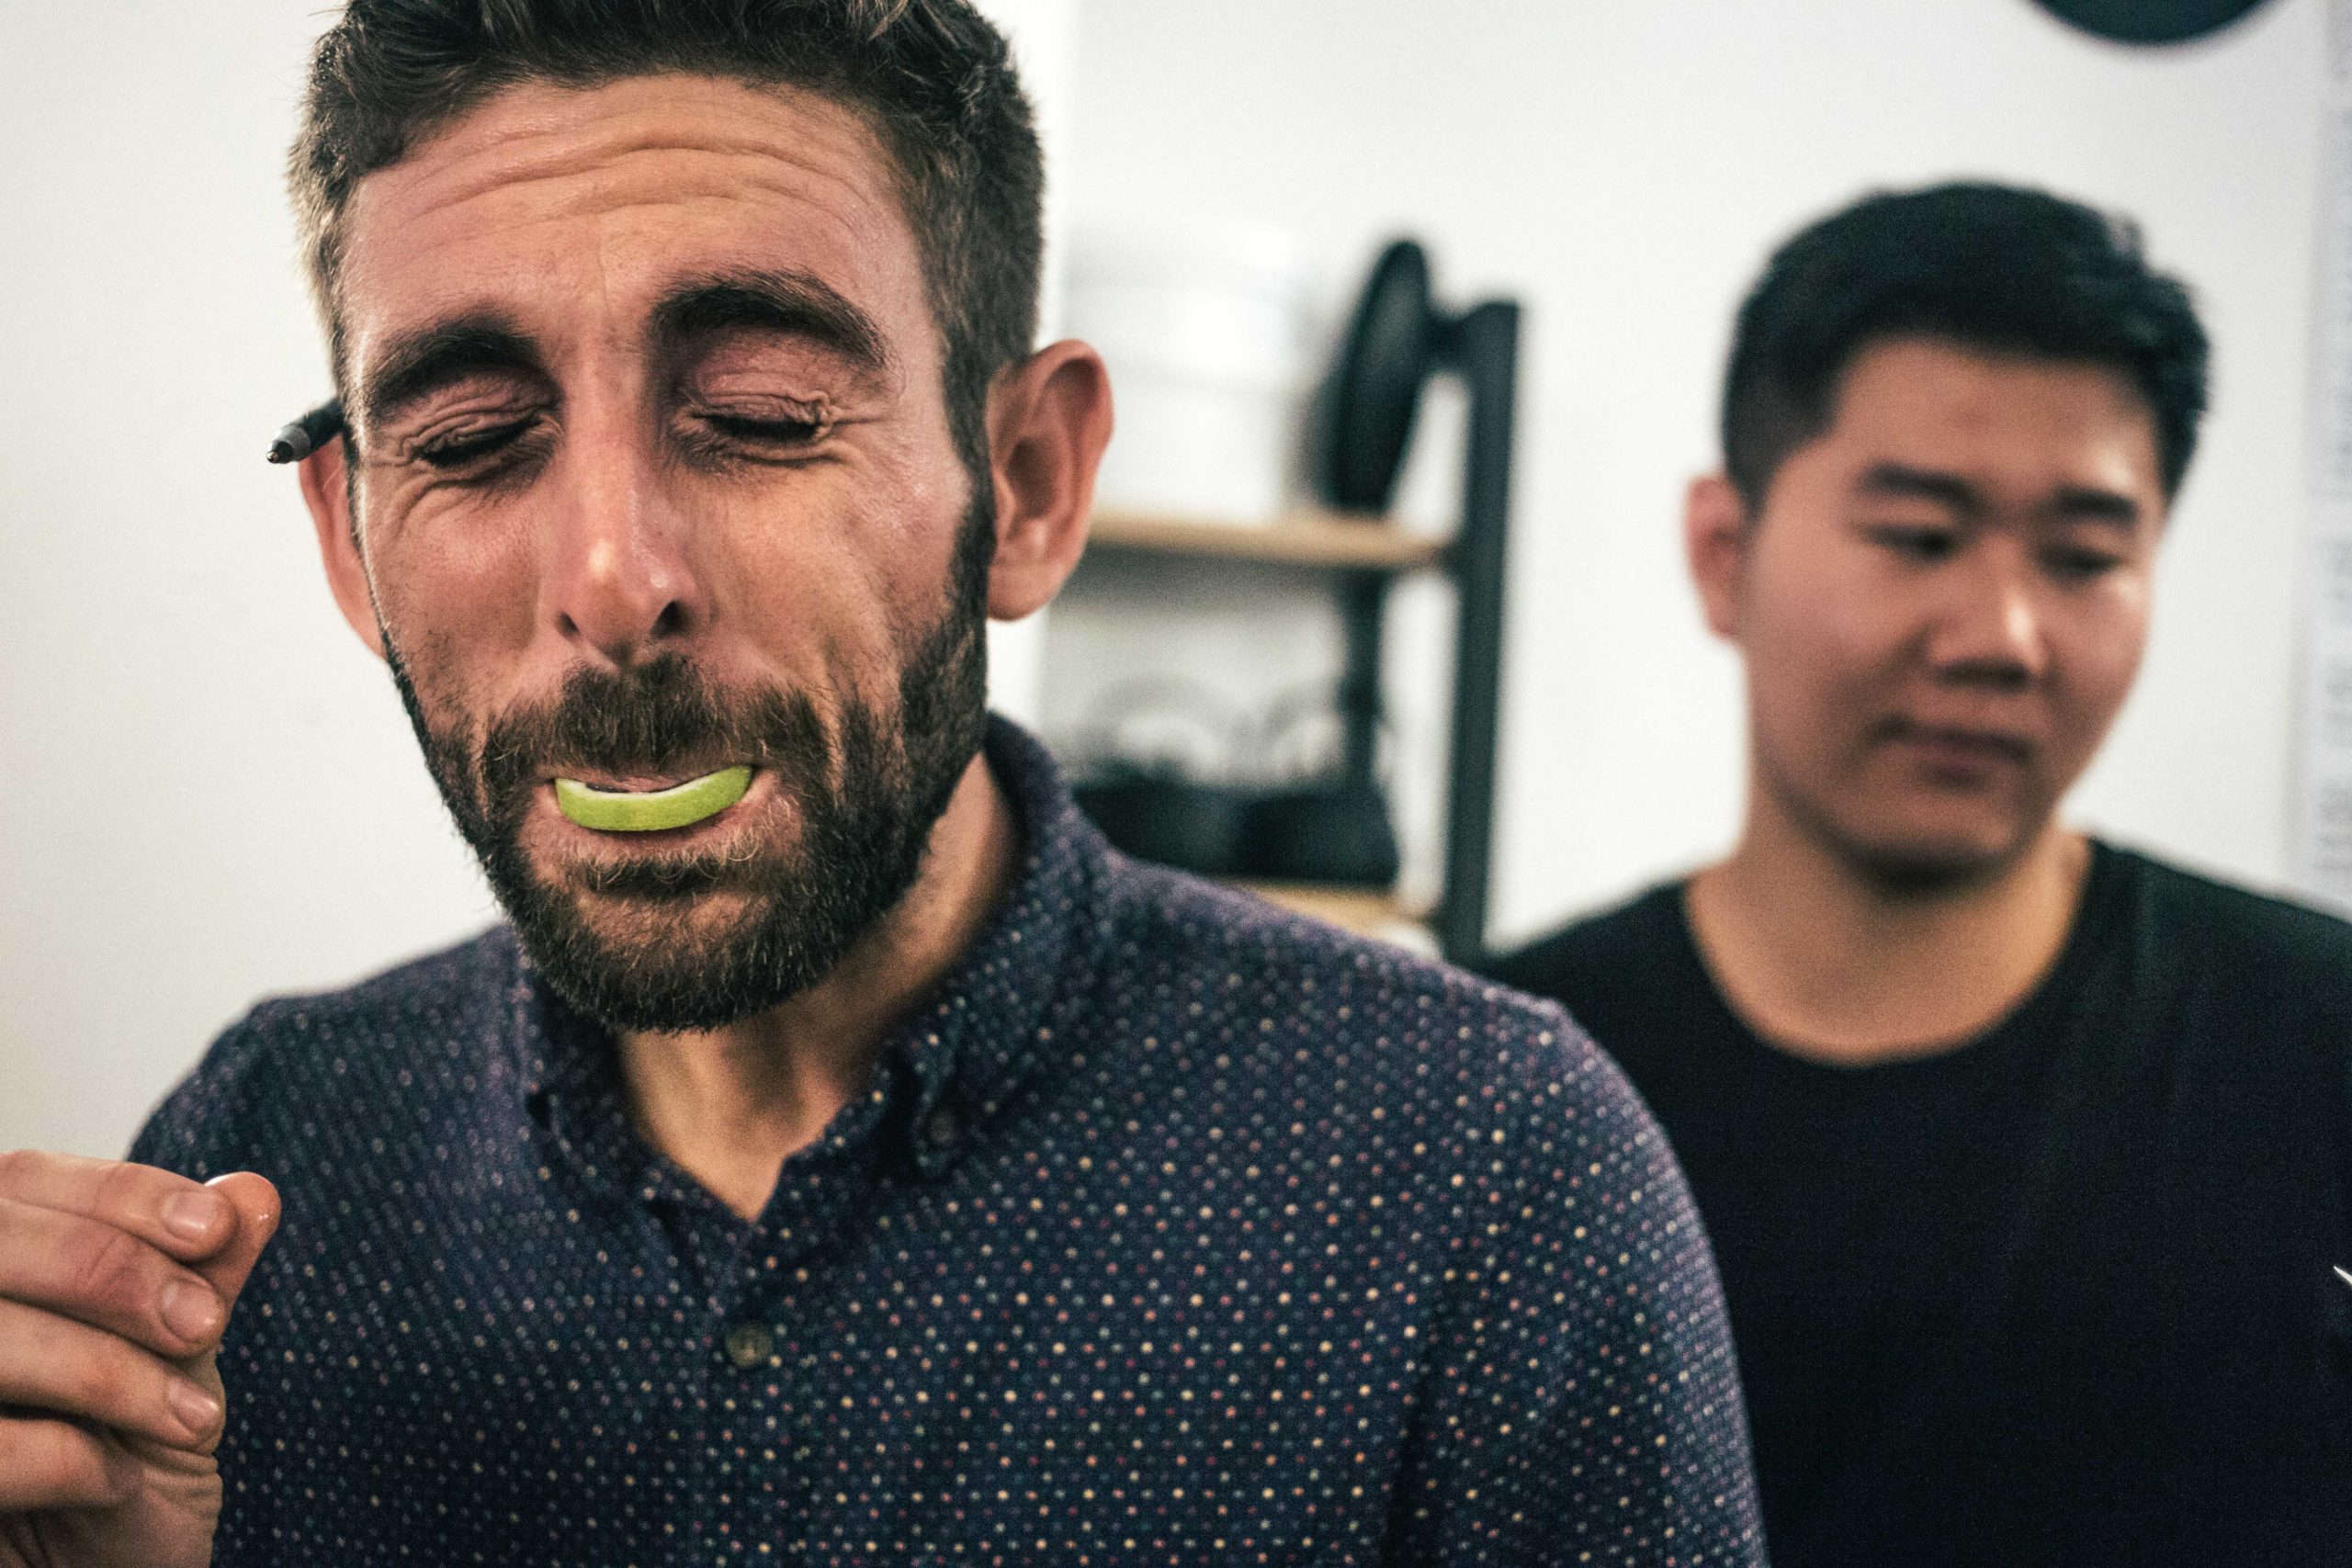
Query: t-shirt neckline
(2095, 920)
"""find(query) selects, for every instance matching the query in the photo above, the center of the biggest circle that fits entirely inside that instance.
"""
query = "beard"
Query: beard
(866, 787)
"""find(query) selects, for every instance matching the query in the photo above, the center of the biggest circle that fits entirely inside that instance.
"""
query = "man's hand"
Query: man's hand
(116, 1281)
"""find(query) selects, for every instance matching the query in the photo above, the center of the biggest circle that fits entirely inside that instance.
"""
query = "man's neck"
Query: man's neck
(730, 1106)
(1831, 964)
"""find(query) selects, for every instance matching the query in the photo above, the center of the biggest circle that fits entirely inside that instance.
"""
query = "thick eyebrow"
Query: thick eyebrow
(417, 363)
(788, 304)
(2084, 504)
(1901, 481)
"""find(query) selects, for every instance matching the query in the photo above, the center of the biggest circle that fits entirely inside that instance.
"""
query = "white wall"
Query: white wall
(1622, 166)
(1043, 35)
(208, 791)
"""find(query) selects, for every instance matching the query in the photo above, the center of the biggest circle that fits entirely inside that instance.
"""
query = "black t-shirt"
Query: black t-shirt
(2063, 1295)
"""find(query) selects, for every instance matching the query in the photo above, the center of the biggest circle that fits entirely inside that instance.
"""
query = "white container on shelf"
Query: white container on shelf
(1205, 333)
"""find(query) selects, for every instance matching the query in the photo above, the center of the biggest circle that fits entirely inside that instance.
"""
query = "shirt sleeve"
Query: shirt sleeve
(1582, 1398)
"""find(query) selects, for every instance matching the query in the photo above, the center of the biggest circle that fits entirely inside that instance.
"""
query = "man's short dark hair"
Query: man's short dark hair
(934, 79)
(1988, 266)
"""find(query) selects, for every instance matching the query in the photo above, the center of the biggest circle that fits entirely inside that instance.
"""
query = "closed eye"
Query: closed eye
(462, 448)
(788, 436)
(781, 432)
(1914, 542)
(2075, 563)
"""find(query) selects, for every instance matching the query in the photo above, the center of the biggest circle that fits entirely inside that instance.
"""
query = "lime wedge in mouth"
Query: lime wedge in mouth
(626, 811)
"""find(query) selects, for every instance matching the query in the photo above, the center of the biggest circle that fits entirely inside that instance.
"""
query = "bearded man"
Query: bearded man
(841, 1152)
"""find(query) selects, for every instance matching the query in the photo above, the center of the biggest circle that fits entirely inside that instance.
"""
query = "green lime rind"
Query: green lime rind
(680, 805)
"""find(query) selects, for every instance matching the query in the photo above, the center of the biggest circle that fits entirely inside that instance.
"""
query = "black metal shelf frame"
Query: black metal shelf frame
(1479, 346)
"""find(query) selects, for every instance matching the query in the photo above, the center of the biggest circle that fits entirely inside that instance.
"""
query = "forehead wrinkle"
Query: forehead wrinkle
(602, 178)
(452, 199)
(550, 148)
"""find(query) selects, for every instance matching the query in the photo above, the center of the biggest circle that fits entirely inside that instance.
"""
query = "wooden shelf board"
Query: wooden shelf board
(1305, 538)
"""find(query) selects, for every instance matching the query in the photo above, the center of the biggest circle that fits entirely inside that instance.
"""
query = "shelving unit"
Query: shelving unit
(1318, 541)
(1362, 557)
(1324, 539)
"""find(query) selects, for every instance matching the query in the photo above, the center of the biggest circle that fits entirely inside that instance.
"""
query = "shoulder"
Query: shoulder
(1362, 1032)
(2253, 983)
(295, 1058)
(2231, 929)
(1211, 948)
(1558, 1276)
(1627, 972)
(1627, 936)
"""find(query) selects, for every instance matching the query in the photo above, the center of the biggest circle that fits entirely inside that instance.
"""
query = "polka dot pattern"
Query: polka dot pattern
(1175, 1229)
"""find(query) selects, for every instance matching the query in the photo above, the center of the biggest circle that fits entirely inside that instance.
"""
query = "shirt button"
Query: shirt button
(940, 1129)
(748, 1344)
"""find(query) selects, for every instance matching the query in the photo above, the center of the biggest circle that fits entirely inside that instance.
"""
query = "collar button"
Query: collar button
(747, 1344)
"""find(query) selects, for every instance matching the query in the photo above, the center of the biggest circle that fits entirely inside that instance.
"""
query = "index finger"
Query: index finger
(182, 1218)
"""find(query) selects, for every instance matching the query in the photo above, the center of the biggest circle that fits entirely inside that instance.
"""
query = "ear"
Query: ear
(1716, 525)
(1049, 418)
(326, 491)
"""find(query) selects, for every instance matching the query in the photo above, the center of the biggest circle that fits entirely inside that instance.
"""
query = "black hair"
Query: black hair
(1989, 267)
(932, 76)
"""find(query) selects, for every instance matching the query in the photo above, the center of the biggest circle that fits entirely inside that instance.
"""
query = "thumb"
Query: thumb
(258, 1206)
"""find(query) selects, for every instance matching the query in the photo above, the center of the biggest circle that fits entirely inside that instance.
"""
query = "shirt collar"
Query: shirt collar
(1000, 1011)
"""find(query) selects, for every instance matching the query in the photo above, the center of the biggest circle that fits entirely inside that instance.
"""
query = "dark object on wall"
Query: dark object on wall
(2149, 21)
(1397, 339)
(1335, 832)
(1366, 409)
(1325, 823)
(1162, 817)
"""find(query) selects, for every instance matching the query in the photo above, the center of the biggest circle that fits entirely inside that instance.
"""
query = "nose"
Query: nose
(618, 584)
(1991, 629)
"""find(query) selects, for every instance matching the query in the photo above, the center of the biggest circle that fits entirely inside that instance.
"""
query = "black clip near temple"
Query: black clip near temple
(307, 434)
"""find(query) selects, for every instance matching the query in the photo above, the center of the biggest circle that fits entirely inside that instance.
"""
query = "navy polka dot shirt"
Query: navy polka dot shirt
(1173, 1229)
